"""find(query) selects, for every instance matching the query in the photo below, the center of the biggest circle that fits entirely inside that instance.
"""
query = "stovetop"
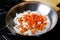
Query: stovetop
(54, 34)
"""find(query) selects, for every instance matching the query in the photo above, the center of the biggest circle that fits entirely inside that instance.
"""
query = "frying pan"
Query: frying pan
(33, 6)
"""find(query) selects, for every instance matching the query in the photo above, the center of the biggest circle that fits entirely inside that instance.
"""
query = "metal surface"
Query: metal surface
(33, 6)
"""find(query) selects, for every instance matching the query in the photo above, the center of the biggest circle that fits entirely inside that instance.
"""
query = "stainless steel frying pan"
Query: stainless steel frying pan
(33, 6)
